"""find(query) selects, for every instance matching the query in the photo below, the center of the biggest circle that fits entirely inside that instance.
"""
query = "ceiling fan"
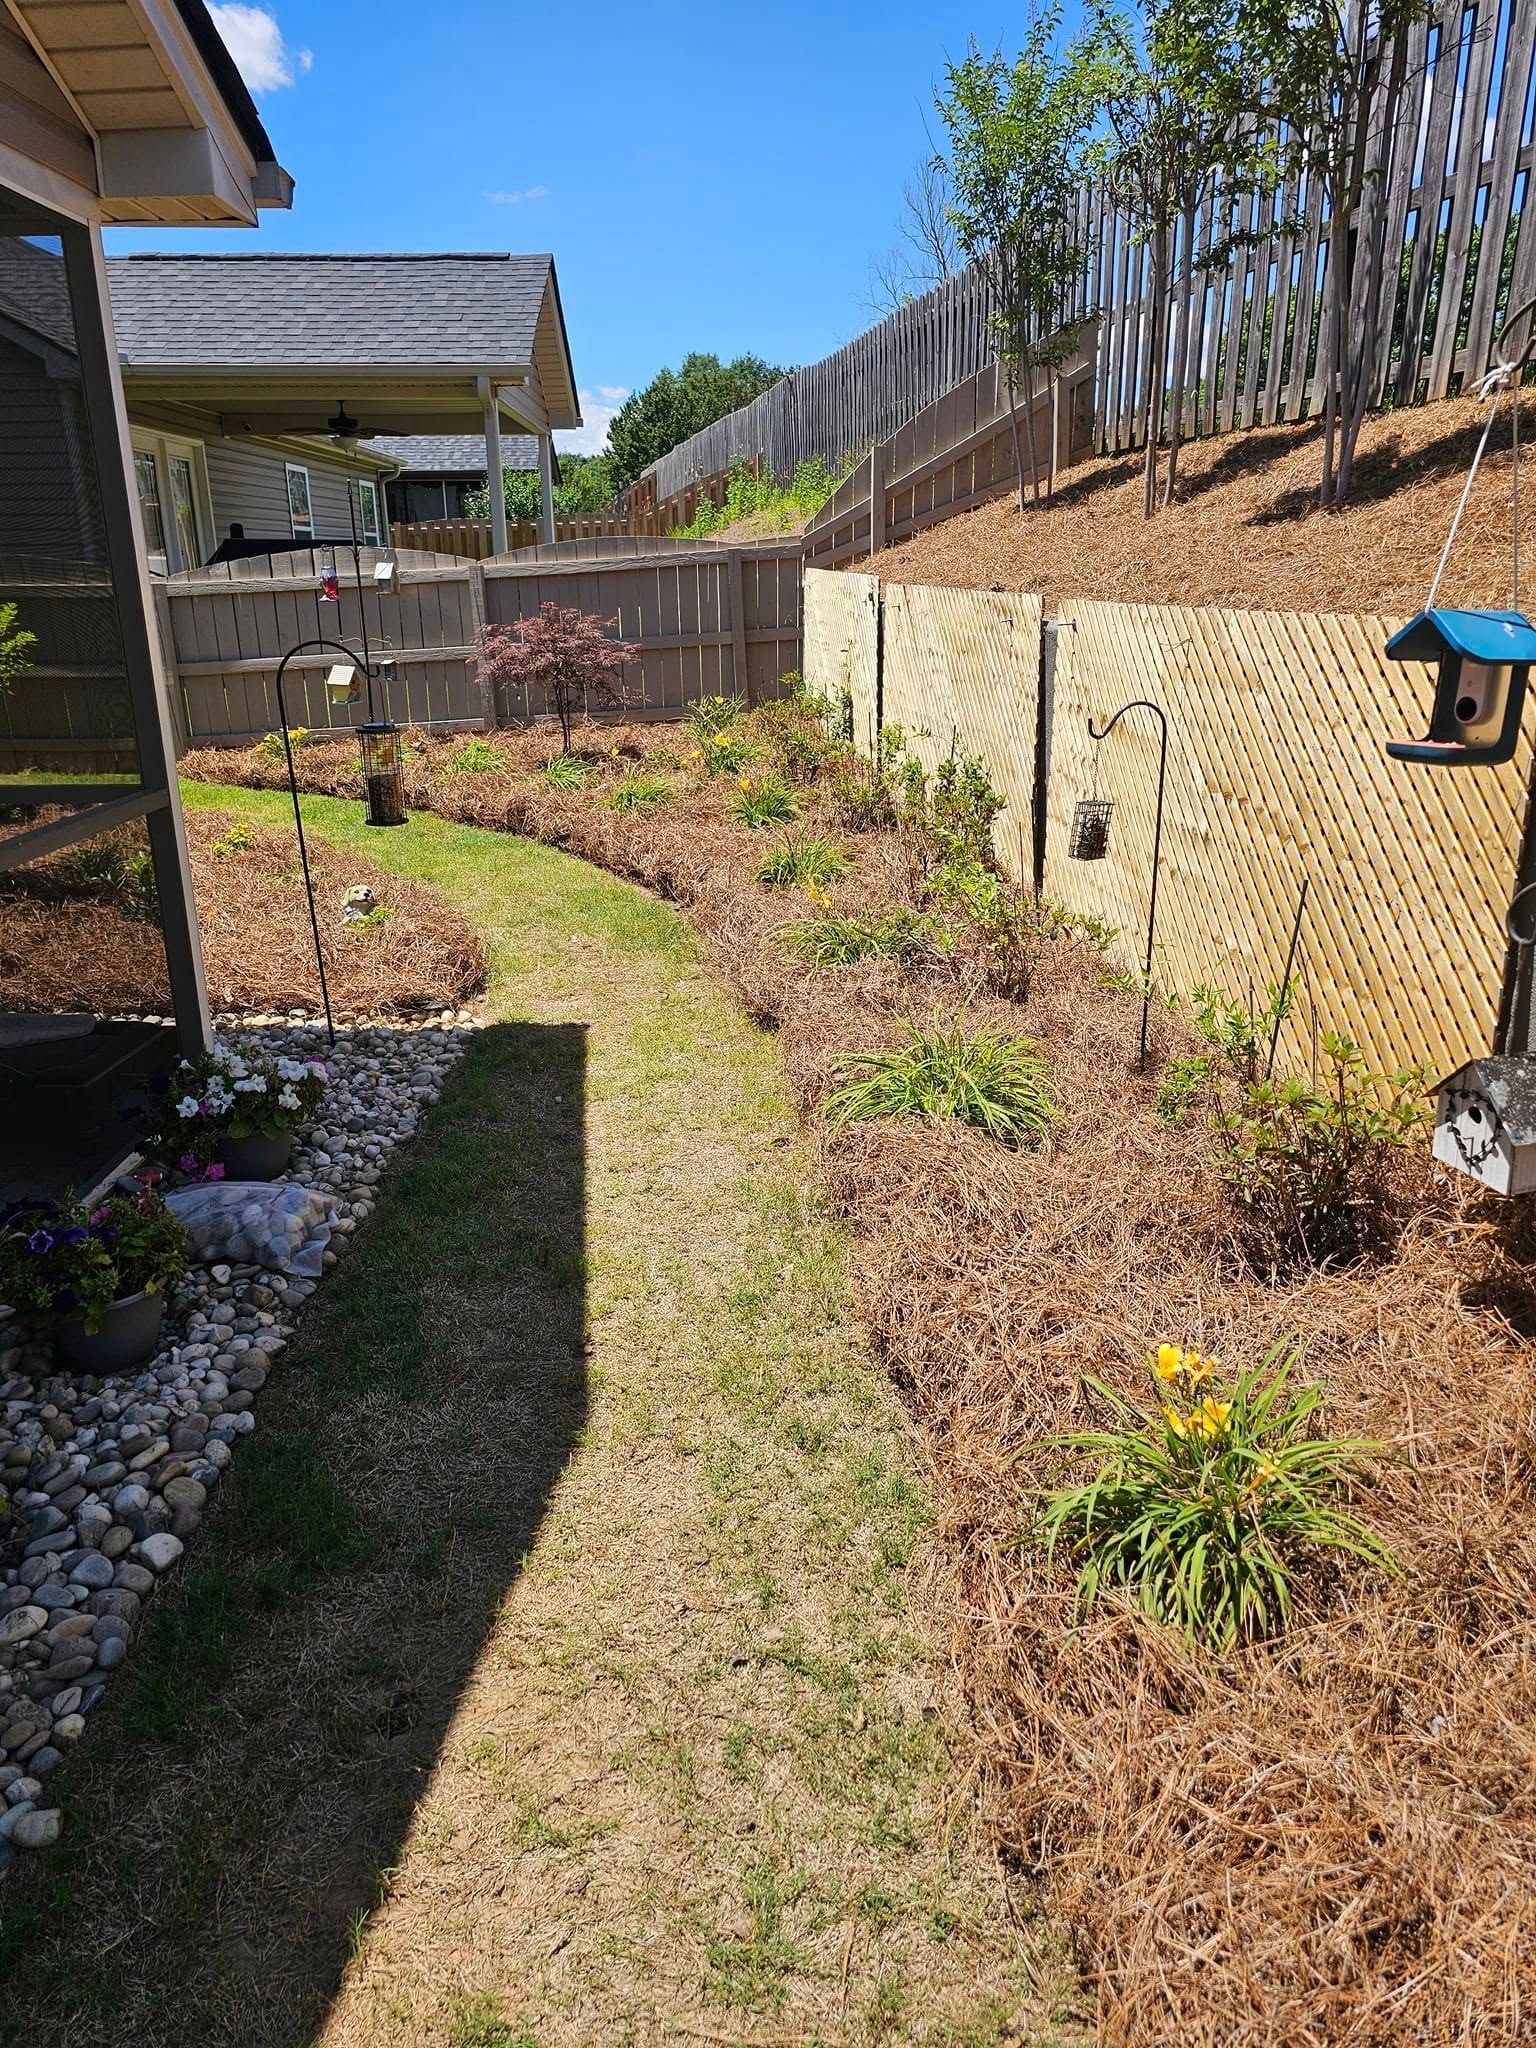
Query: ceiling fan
(343, 428)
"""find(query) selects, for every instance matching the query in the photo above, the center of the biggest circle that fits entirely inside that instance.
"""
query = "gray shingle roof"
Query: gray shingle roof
(465, 311)
(453, 454)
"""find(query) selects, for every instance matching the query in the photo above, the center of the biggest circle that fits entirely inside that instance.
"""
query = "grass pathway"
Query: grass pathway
(552, 1671)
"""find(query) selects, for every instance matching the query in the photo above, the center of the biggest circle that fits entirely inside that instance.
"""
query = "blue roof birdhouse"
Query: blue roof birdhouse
(1483, 660)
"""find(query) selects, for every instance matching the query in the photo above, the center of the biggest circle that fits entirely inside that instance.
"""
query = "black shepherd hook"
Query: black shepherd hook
(304, 647)
(1094, 733)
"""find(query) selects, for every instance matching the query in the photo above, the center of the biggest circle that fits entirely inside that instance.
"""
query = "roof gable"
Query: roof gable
(478, 312)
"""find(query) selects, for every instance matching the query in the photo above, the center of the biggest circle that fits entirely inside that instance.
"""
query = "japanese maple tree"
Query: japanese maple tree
(562, 651)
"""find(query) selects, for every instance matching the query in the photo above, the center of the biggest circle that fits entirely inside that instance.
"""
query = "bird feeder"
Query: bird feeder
(1090, 828)
(1485, 1123)
(383, 773)
(1482, 661)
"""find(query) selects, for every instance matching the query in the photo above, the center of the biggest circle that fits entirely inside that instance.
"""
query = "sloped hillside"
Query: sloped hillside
(1245, 529)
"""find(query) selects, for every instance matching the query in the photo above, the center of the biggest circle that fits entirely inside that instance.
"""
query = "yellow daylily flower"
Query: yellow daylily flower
(1169, 1362)
(1175, 1421)
(746, 787)
(1213, 1415)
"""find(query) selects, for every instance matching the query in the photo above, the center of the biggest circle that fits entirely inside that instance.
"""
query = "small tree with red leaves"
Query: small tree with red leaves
(564, 652)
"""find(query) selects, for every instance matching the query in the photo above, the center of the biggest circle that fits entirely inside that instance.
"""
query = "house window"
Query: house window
(184, 512)
(300, 517)
(146, 473)
(368, 506)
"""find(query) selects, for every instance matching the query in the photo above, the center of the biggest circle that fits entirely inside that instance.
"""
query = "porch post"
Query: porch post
(493, 474)
(546, 487)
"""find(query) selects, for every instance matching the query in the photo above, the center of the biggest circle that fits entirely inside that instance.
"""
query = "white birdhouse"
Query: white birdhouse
(1485, 1124)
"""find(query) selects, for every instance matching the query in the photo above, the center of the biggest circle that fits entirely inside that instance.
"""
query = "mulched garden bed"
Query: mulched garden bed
(78, 929)
(1329, 1837)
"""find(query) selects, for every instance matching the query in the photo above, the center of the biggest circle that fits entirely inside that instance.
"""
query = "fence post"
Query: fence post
(1044, 717)
(877, 498)
(489, 716)
(879, 669)
(741, 676)
(175, 696)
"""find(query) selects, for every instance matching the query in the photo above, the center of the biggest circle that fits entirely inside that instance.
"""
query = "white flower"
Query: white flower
(187, 1106)
(288, 1099)
(317, 1069)
(236, 1068)
(252, 1084)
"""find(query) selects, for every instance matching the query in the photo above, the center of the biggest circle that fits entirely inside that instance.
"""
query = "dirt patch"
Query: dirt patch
(1327, 1838)
(1245, 529)
(78, 930)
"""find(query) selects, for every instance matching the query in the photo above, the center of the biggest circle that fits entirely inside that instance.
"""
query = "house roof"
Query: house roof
(1496, 638)
(271, 310)
(225, 74)
(453, 454)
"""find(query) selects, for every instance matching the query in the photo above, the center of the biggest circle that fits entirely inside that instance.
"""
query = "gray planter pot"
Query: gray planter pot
(129, 1333)
(256, 1158)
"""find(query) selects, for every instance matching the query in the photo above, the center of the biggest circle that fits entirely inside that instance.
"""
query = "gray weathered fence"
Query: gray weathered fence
(695, 620)
(1444, 190)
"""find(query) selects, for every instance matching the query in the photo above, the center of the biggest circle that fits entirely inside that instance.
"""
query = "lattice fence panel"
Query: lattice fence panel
(839, 633)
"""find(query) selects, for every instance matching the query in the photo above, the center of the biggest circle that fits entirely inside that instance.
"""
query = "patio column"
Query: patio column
(546, 487)
(498, 489)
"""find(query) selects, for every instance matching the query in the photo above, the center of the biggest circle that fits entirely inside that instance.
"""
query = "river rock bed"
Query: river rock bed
(108, 1479)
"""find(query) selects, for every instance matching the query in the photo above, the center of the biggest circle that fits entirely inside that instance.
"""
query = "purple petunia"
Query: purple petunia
(188, 1162)
(40, 1242)
(76, 1234)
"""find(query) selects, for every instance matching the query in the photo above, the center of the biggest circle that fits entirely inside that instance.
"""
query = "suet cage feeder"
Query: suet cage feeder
(383, 773)
(1090, 828)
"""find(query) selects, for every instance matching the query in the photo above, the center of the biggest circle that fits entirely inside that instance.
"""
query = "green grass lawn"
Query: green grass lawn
(551, 1669)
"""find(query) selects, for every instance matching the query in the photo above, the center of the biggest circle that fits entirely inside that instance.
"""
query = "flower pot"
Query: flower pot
(256, 1157)
(128, 1333)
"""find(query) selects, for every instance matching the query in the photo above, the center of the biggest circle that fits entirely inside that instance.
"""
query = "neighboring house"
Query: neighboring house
(437, 472)
(261, 386)
(108, 112)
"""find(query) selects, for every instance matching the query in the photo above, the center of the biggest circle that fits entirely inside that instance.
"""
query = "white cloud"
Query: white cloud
(589, 439)
(254, 40)
(516, 198)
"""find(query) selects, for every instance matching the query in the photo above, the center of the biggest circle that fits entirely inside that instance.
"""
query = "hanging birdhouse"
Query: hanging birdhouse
(1482, 660)
(383, 774)
(1090, 828)
(1485, 1123)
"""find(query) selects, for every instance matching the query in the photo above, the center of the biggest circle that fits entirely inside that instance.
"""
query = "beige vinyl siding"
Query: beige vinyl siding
(248, 482)
(35, 117)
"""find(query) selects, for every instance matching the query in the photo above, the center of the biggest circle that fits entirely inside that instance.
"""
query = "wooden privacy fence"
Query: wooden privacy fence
(1276, 775)
(955, 453)
(1443, 174)
(698, 622)
(694, 622)
(472, 537)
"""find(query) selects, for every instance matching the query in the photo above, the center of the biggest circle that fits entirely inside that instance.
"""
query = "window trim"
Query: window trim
(161, 448)
(372, 485)
(291, 470)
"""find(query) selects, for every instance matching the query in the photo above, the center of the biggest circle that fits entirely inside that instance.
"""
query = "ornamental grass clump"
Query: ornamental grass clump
(798, 861)
(764, 800)
(566, 773)
(1204, 1511)
(724, 753)
(232, 1091)
(66, 1263)
(833, 938)
(637, 791)
(999, 1084)
(712, 716)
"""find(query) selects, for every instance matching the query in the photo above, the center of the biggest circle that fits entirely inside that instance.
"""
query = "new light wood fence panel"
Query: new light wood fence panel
(840, 632)
(1276, 773)
(962, 668)
(226, 629)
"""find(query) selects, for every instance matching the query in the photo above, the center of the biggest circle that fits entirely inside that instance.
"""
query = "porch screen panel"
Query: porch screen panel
(65, 711)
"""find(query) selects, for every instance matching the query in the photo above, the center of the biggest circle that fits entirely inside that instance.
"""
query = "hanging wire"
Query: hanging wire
(1503, 375)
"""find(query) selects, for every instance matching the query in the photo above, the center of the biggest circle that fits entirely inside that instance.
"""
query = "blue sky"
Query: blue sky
(718, 178)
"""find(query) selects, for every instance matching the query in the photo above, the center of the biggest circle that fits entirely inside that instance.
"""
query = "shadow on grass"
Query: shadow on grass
(250, 1783)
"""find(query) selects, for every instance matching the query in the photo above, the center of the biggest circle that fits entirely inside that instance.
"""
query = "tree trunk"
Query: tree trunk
(1156, 349)
(1029, 429)
(1181, 356)
(1018, 452)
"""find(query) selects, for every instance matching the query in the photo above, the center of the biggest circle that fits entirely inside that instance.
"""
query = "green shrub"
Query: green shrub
(1010, 927)
(637, 791)
(763, 801)
(115, 871)
(475, 757)
(236, 840)
(270, 745)
(998, 1084)
(727, 753)
(1204, 1509)
(797, 861)
(565, 773)
(1313, 1165)
(962, 807)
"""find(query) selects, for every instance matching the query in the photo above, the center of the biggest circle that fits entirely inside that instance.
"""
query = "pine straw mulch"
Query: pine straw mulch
(1244, 529)
(1328, 1839)
(73, 940)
